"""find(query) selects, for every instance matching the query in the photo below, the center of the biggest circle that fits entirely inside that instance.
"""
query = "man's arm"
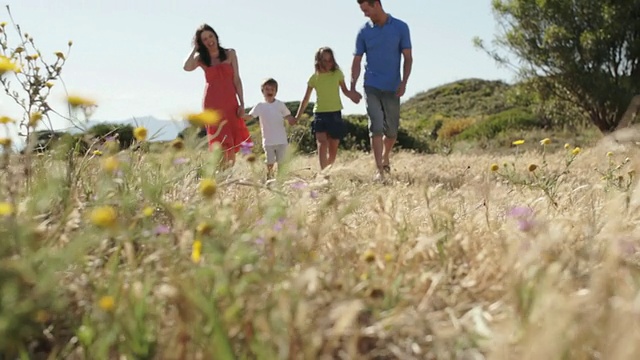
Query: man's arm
(405, 45)
(355, 71)
(406, 71)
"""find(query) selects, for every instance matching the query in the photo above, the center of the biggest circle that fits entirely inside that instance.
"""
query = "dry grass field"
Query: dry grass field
(135, 256)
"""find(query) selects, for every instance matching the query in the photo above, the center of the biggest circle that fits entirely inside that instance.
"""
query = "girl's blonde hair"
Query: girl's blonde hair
(318, 62)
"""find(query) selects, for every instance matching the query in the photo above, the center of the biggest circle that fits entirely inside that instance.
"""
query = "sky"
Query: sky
(127, 55)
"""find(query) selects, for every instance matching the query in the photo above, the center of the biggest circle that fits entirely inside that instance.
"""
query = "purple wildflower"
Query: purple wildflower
(279, 225)
(520, 212)
(299, 185)
(161, 230)
(245, 147)
(524, 217)
(525, 224)
(180, 161)
(626, 247)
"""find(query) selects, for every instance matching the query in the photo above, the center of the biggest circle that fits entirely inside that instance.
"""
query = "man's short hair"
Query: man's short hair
(370, 2)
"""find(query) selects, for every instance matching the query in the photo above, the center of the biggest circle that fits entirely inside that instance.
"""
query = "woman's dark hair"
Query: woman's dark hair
(205, 57)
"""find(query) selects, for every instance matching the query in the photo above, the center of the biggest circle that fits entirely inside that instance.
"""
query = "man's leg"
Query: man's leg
(376, 124)
(391, 107)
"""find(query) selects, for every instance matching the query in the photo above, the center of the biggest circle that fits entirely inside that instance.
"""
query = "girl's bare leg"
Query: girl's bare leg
(323, 149)
(333, 150)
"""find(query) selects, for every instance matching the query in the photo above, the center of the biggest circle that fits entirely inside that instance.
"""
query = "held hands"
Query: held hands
(292, 120)
(354, 96)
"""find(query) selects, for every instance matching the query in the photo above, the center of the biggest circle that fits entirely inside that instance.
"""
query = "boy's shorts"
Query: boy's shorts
(329, 122)
(275, 153)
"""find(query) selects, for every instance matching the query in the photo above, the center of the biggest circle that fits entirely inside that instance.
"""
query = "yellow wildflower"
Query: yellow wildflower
(6, 208)
(60, 55)
(5, 142)
(6, 65)
(77, 101)
(609, 154)
(48, 84)
(576, 151)
(567, 146)
(3, 24)
(107, 303)
(70, 42)
(140, 133)
(177, 205)
(533, 167)
(196, 251)
(97, 153)
(369, 256)
(545, 141)
(203, 228)
(208, 187)
(104, 216)
(518, 142)
(495, 167)
(34, 119)
(6, 120)
(110, 164)
(207, 117)
(388, 257)
(148, 211)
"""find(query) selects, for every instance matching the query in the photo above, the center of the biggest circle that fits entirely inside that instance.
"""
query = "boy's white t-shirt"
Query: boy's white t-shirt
(271, 117)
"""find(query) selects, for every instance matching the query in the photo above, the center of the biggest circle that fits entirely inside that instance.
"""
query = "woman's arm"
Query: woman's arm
(236, 77)
(193, 61)
(304, 102)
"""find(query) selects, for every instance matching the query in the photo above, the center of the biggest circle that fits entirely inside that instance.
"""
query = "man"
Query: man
(385, 40)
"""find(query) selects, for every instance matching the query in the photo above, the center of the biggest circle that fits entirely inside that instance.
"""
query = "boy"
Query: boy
(272, 113)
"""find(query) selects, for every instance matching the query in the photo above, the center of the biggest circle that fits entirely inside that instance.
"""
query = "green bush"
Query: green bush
(122, 133)
(509, 120)
(44, 139)
(356, 136)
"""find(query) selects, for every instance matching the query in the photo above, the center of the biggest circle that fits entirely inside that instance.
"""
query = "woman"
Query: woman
(223, 91)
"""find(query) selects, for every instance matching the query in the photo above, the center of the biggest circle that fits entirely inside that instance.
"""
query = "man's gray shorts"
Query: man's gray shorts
(383, 108)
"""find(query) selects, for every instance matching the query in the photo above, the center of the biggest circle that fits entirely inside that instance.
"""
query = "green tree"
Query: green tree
(586, 52)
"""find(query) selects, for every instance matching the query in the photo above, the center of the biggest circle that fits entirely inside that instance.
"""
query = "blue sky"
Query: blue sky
(128, 55)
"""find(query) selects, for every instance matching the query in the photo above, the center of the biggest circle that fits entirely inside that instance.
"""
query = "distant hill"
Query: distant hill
(458, 99)
(158, 129)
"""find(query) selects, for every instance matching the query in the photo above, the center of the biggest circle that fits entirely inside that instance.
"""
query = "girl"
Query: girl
(223, 91)
(327, 124)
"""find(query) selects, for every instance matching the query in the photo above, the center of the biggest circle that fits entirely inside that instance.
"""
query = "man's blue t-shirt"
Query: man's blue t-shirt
(383, 46)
